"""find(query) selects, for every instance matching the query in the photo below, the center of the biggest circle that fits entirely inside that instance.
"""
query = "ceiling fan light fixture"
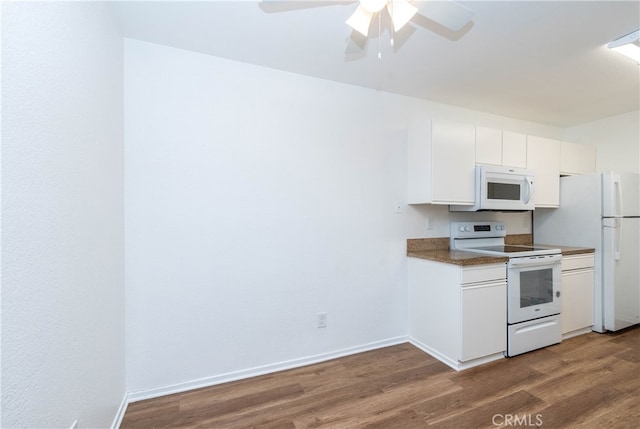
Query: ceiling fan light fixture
(360, 20)
(628, 45)
(401, 12)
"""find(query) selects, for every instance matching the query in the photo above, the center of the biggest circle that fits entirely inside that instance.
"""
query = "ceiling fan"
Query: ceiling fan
(447, 13)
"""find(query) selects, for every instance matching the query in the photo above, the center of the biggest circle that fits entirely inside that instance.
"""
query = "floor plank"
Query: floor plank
(590, 381)
(496, 412)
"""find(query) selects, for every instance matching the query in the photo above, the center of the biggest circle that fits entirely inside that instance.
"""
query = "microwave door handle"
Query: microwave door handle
(529, 190)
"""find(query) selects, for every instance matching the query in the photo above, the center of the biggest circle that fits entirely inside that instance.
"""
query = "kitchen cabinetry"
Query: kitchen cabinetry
(480, 334)
(441, 163)
(488, 146)
(577, 294)
(577, 158)
(458, 314)
(514, 149)
(499, 147)
(442, 156)
(543, 157)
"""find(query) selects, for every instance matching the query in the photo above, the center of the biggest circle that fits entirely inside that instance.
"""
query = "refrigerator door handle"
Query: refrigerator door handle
(618, 239)
(615, 237)
(618, 206)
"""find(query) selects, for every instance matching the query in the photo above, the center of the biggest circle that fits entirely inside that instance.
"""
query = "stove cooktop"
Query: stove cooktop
(511, 249)
(489, 238)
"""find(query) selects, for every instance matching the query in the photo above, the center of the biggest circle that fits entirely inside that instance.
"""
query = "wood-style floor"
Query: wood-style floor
(590, 381)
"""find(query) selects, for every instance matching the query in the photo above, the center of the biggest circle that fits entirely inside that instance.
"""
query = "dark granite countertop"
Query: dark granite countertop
(568, 250)
(437, 249)
(457, 257)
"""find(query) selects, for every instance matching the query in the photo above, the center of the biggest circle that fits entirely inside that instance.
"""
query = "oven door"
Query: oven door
(533, 287)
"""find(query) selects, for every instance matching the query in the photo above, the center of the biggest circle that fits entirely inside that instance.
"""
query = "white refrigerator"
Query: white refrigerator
(601, 211)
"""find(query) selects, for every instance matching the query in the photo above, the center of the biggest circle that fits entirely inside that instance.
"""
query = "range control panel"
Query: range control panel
(478, 229)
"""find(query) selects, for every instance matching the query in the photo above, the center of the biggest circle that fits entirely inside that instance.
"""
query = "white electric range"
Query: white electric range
(533, 283)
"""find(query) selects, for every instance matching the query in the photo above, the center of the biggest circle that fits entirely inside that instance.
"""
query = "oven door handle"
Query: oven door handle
(532, 262)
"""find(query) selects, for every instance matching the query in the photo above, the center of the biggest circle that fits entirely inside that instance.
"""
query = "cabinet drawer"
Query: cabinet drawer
(483, 273)
(576, 262)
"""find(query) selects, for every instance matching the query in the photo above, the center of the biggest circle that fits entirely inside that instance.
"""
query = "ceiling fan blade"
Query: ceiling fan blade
(360, 20)
(448, 13)
(402, 36)
(273, 6)
(400, 11)
(356, 44)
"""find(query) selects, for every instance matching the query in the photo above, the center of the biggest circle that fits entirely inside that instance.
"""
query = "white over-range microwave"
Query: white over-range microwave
(502, 189)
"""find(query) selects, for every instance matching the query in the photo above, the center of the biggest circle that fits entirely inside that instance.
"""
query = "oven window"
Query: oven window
(503, 191)
(536, 287)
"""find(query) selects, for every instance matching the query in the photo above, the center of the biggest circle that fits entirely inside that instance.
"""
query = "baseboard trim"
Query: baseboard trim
(577, 332)
(454, 364)
(256, 371)
(117, 421)
(436, 354)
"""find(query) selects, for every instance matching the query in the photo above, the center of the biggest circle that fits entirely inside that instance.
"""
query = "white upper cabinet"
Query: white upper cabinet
(499, 147)
(488, 146)
(543, 157)
(577, 159)
(514, 149)
(442, 156)
(441, 163)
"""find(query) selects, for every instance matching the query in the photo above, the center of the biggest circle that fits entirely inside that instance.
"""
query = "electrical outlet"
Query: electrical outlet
(322, 320)
(398, 207)
(429, 223)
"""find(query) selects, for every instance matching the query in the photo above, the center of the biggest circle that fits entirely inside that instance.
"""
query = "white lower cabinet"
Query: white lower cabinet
(577, 294)
(458, 314)
(483, 332)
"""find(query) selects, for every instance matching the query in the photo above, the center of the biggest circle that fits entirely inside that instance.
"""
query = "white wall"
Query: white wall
(254, 200)
(439, 217)
(62, 213)
(617, 141)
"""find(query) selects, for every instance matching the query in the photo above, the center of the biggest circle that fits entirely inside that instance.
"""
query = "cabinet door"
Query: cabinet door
(453, 162)
(577, 300)
(488, 146)
(577, 158)
(514, 149)
(484, 320)
(543, 157)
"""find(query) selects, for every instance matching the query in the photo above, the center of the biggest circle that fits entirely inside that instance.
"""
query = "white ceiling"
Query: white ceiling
(542, 61)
